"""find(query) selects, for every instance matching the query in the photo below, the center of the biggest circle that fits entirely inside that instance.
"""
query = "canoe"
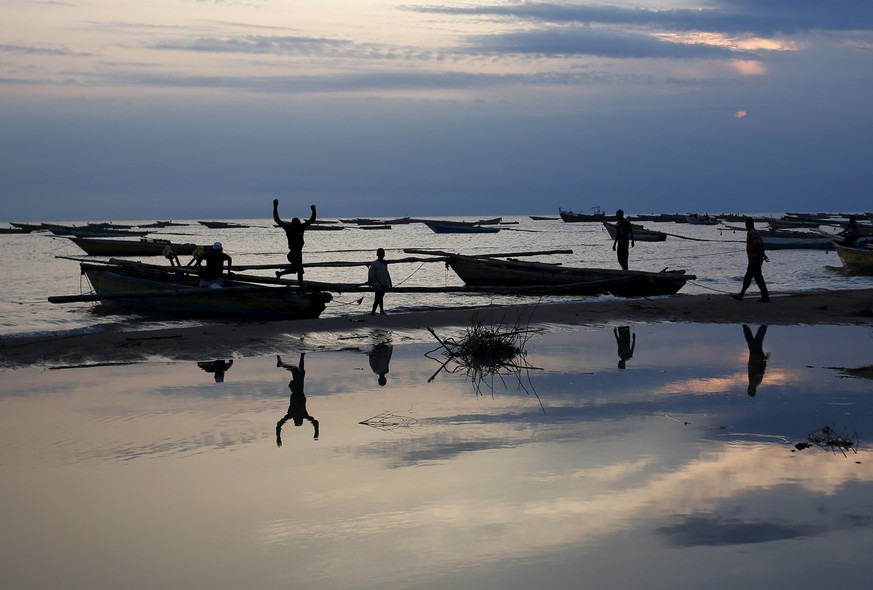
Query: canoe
(461, 228)
(857, 261)
(91, 232)
(573, 217)
(563, 280)
(641, 234)
(165, 291)
(222, 224)
(141, 247)
(795, 240)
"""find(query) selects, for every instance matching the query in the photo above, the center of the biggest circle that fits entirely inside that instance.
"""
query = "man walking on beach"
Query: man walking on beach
(624, 234)
(379, 278)
(294, 232)
(757, 256)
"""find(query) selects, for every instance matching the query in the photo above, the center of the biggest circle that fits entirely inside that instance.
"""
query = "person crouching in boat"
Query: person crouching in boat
(211, 272)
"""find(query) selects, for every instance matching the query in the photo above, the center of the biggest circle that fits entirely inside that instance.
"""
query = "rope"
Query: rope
(410, 275)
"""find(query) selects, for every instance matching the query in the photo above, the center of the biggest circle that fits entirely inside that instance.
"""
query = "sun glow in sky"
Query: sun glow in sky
(157, 109)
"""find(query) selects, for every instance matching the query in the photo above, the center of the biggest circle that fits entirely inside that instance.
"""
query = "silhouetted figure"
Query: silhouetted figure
(210, 273)
(757, 357)
(379, 278)
(851, 233)
(297, 404)
(217, 368)
(294, 232)
(626, 344)
(757, 256)
(624, 235)
(380, 357)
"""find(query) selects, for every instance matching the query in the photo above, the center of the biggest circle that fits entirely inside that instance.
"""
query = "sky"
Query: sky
(186, 109)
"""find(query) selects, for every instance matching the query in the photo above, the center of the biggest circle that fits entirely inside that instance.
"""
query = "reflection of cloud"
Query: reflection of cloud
(709, 530)
(576, 509)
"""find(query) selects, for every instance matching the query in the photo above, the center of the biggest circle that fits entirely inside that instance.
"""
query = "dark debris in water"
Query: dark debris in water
(829, 439)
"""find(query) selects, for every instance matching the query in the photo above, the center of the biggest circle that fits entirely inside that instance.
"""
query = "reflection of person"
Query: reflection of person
(210, 273)
(624, 234)
(297, 404)
(380, 356)
(757, 256)
(218, 368)
(757, 357)
(626, 344)
(379, 278)
(294, 232)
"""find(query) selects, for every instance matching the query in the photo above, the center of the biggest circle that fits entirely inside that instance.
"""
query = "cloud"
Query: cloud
(35, 50)
(725, 16)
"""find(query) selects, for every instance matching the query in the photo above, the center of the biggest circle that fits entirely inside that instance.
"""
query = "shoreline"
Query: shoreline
(841, 307)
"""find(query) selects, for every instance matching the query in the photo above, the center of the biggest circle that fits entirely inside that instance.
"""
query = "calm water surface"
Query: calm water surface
(576, 473)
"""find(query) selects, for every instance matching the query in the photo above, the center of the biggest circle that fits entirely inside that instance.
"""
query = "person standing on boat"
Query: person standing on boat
(624, 235)
(379, 278)
(297, 402)
(294, 232)
(851, 233)
(757, 256)
(211, 273)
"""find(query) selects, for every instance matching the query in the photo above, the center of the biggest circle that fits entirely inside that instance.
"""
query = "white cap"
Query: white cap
(216, 246)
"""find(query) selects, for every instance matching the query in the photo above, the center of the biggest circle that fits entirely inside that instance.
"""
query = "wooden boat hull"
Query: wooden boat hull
(855, 260)
(110, 247)
(787, 240)
(641, 234)
(440, 228)
(483, 271)
(169, 293)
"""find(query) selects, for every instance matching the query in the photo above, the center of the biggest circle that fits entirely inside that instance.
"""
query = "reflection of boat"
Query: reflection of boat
(172, 292)
(855, 260)
(556, 279)
(141, 247)
(641, 234)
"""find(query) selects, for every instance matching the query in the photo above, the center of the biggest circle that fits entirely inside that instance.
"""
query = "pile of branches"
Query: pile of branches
(828, 439)
(484, 353)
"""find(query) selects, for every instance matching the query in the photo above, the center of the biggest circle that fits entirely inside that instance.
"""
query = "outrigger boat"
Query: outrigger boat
(173, 291)
(641, 234)
(553, 279)
(141, 247)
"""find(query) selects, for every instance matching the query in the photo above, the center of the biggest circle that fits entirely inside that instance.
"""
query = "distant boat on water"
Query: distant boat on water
(641, 234)
(222, 224)
(142, 247)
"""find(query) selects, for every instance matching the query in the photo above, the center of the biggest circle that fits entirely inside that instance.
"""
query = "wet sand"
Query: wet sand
(849, 307)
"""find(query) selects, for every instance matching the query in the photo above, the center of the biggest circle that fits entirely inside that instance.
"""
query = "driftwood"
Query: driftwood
(485, 353)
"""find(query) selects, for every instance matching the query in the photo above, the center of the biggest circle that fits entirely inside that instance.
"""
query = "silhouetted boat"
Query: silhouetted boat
(173, 292)
(641, 234)
(141, 247)
(563, 280)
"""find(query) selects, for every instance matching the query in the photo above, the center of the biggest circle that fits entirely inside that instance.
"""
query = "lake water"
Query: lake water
(571, 473)
(36, 266)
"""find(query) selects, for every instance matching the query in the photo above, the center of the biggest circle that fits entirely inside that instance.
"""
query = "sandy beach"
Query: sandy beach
(849, 307)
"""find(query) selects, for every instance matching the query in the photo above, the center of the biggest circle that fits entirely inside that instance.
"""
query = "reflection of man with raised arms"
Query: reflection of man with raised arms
(297, 404)
(757, 357)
